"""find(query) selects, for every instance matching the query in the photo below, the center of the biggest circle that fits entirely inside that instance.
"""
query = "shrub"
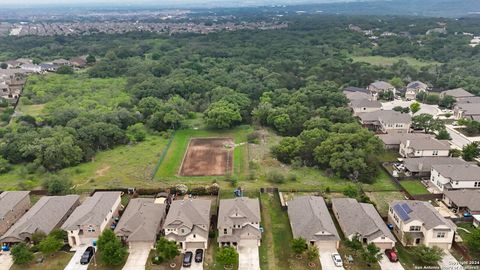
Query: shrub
(227, 256)
(299, 245)
(428, 255)
(275, 177)
(21, 254)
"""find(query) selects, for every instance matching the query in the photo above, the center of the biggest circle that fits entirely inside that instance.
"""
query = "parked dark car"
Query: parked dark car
(187, 259)
(199, 255)
(87, 255)
(391, 255)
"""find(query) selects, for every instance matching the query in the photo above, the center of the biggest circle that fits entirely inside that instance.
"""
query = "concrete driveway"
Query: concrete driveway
(137, 257)
(74, 263)
(424, 108)
(449, 262)
(248, 258)
(6, 261)
(195, 266)
(386, 264)
(326, 259)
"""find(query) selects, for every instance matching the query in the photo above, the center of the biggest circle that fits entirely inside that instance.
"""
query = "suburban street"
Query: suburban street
(458, 140)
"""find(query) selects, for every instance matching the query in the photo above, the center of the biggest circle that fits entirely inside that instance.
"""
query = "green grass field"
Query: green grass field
(382, 199)
(57, 261)
(414, 187)
(388, 61)
(168, 170)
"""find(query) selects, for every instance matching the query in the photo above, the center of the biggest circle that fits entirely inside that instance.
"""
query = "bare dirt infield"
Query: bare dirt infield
(208, 157)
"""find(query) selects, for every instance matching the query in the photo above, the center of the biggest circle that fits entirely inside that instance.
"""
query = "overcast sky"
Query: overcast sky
(159, 2)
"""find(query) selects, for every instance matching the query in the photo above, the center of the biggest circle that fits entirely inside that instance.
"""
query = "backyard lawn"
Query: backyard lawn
(382, 199)
(57, 261)
(414, 187)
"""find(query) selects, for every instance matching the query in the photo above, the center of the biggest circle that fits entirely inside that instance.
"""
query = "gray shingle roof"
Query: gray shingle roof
(310, 219)
(141, 220)
(417, 85)
(189, 212)
(396, 138)
(387, 116)
(469, 108)
(470, 100)
(428, 143)
(361, 103)
(44, 216)
(93, 210)
(458, 172)
(356, 95)
(381, 85)
(360, 218)
(469, 198)
(238, 211)
(458, 93)
(424, 164)
(10, 199)
(422, 211)
(355, 89)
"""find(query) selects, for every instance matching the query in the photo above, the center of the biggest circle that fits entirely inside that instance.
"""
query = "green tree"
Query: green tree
(91, 59)
(470, 151)
(427, 122)
(372, 254)
(312, 252)
(397, 82)
(447, 102)
(21, 254)
(50, 245)
(65, 70)
(5, 166)
(428, 255)
(299, 245)
(415, 107)
(111, 250)
(166, 250)
(59, 234)
(227, 256)
(443, 135)
(136, 132)
(473, 241)
(57, 184)
(37, 237)
(222, 114)
(287, 149)
(3, 65)
(355, 245)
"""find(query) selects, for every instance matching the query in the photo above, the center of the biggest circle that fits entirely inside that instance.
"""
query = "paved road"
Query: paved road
(137, 257)
(424, 108)
(449, 262)
(6, 261)
(458, 140)
(74, 263)
(248, 258)
(326, 259)
(385, 264)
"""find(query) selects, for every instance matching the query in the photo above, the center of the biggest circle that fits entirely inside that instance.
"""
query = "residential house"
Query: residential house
(13, 205)
(463, 200)
(426, 147)
(380, 87)
(364, 105)
(352, 89)
(467, 111)
(470, 100)
(451, 176)
(32, 68)
(414, 88)
(141, 222)
(47, 214)
(89, 220)
(48, 67)
(457, 93)
(310, 220)
(393, 140)
(422, 166)
(362, 220)
(79, 62)
(61, 62)
(188, 223)
(357, 96)
(239, 222)
(418, 223)
(387, 121)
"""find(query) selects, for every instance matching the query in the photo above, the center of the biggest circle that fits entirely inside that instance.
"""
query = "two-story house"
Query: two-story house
(386, 121)
(457, 93)
(380, 87)
(239, 222)
(89, 220)
(188, 223)
(424, 147)
(393, 140)
(310, 220)
(361, 220)
(455, 176)
(364, 105)
(467, 111)
(13, 205)
(418, 223)
(414, 88)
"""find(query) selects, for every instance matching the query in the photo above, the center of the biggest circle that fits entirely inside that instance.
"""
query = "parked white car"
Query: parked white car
(337, 259)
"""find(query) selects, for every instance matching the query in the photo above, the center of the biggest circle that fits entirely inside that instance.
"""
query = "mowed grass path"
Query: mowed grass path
(169, 168)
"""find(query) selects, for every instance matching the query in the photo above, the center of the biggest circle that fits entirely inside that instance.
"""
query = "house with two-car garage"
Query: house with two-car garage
(310, 220)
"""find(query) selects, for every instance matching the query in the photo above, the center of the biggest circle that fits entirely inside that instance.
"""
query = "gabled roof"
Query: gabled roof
(424, 164)
(355, 89)
(9, 200)
(458, 93)
(417, 85)
(469, 100)
(381, 85)
(310, 219)
(360, 218)
(469, 198)
(93, 210)
(44, 216)
(365, 103)
(411, 210)
(141, 220)
(428, 143)
(469, 108)
(188, 213)
(356, 95)
(394, 117)
(238, 211)
(396, 138)
(458, 172)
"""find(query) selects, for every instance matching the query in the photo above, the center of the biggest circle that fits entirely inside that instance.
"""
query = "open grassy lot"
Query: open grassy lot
(57, 261)
(388, 61)
(33, 110)
(414, 187)
(382, 199)
(168, 170)
(275, 251)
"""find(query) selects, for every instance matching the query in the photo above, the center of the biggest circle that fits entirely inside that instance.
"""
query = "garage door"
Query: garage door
(194, 245)
(328, 245)
(385, 245)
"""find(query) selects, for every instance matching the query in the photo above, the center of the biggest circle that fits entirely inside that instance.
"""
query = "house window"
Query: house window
(90, 229)
(415, 228)
(396, 218)
(435, 152)
(224, 231)
(476, 184)
(182, 231)
(440, 234)
(391, 210)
